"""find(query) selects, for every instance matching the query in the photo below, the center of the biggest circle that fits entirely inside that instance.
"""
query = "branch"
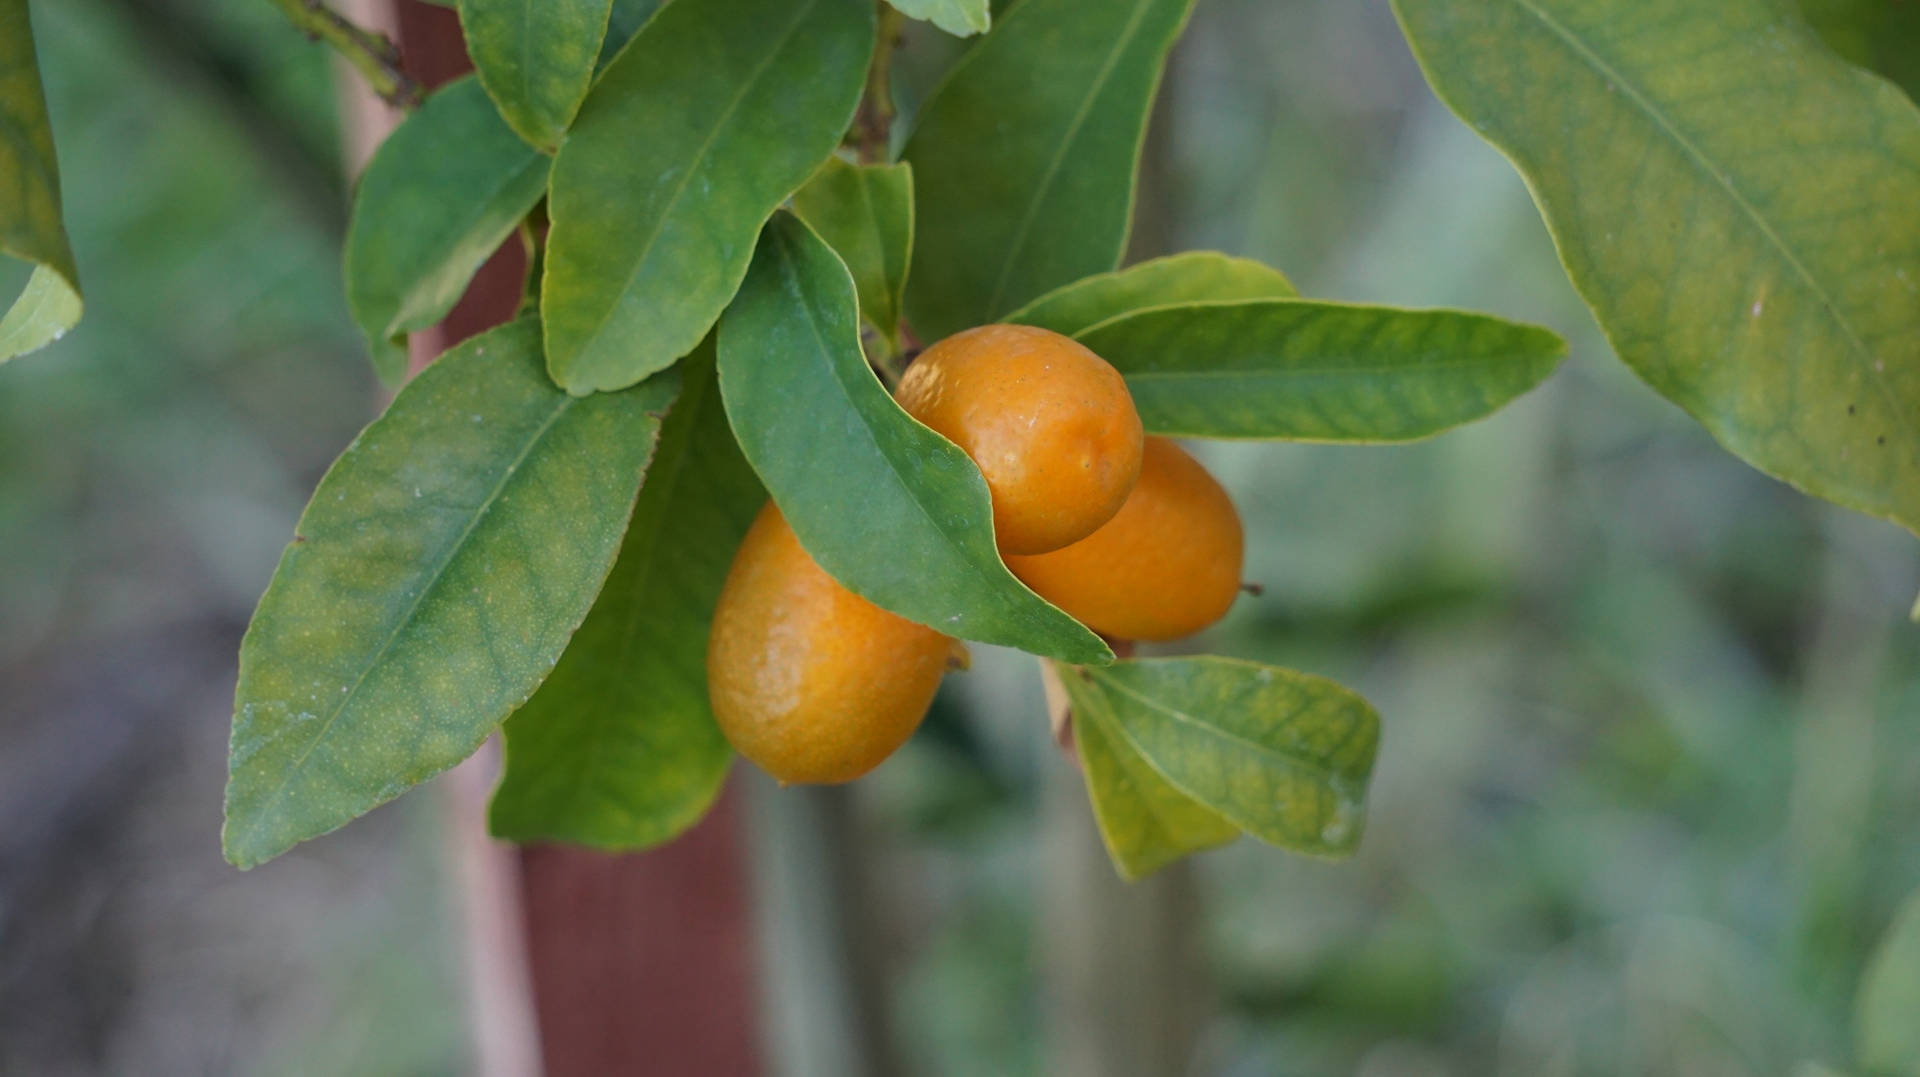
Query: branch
(372, 54)
(873, 125)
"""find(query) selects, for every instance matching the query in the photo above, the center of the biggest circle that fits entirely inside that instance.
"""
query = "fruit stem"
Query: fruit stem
(372, 54)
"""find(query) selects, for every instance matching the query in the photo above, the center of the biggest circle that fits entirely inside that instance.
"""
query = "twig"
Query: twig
(374, 55)
(875, 121)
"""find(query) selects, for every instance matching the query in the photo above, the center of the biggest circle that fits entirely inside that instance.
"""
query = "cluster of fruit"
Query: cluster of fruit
(1127, 533)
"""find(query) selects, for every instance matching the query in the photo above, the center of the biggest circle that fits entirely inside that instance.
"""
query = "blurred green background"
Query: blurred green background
(1650, 775)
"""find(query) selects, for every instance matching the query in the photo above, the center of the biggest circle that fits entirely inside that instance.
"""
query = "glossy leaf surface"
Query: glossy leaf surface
(1285, 756)
(1303, 370)
(437, 199)
(891, 509)
(957, 17)
(618, 749)
(30, 225)
(865, 213)
(701, 126)
(1191, 277)
(431, 584)
(1736, 204)
(1145, 822)
(1025, 157)
(535, 58)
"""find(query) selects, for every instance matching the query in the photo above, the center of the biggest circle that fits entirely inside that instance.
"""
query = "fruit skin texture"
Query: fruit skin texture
(1050, 424)
(807, 679)
(1167, 565)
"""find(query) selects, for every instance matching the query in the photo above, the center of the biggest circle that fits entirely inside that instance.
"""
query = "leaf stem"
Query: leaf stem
(875, 121)
(372, 54)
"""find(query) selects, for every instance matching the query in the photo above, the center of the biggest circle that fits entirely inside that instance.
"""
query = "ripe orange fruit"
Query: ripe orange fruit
(1167, 565)
(1050, 424)
(806, 678)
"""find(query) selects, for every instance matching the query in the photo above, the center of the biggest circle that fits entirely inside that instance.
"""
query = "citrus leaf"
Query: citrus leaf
(960, 18)
(437, 199)
(1734, 202)
(891, 509)
(702, 125)
(1024, 159)
(1145, 822)
(623, 22)
(535, 58)
(1285, 756)
(1305, 370)
(1192, 277)
(865, 213)
(1881, 35)
(1886, 1036)
(618, 749)
(30, 227)
(431, 584)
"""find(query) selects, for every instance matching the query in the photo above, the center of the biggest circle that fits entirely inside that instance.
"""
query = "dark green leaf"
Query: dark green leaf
(1024, 159)
(1192, 277)
(1145, 822)
(893, 510)
(1736, 204)
(442, 192)
(30, 227)
(704, 124)
(1303, 370)
(431, 584)
(535, 57)
(618, 749)
(1285, 756)
(865, 213)
(1883, 35)
(958, 17)
(1886, 1034)
(626, 19)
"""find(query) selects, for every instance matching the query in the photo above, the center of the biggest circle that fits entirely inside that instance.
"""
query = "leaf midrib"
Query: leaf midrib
(1324, 773)
(1858, 348)
(1043, 188)
(693, 166)
(400, 625)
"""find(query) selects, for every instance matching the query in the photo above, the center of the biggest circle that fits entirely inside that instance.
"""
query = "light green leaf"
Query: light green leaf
(1881, 35)
(1304, 370)
(1735, 203)
(618, 749)
(1886, 1034)
(891, 509)
(1024, 159)
(440, 195)
(1145, 822)
(957, 17)
(431, 584)
(703, 125)
(1192, 277)
(30, 227)
(865, 213)
(1284, 756)
(535, 58)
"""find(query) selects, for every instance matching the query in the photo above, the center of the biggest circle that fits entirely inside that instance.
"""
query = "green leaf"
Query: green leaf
(440, 195)
(1882, 35)
(1192, 277)
(618, 749)
(703, 125)
(30, 227)
(1284, 756)
(1305, 370)
(891, 509)
(623, 22)
(1145, 822)
(431, 584)
(535, 58)
(865, 213)
(1735, 203)
(1886, 1036)
(1024, 159)
(957, 17)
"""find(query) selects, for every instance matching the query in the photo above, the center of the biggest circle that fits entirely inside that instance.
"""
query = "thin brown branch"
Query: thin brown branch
(374, 55)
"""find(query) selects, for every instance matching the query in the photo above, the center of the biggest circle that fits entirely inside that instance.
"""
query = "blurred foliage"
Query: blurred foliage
(1648, 774)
